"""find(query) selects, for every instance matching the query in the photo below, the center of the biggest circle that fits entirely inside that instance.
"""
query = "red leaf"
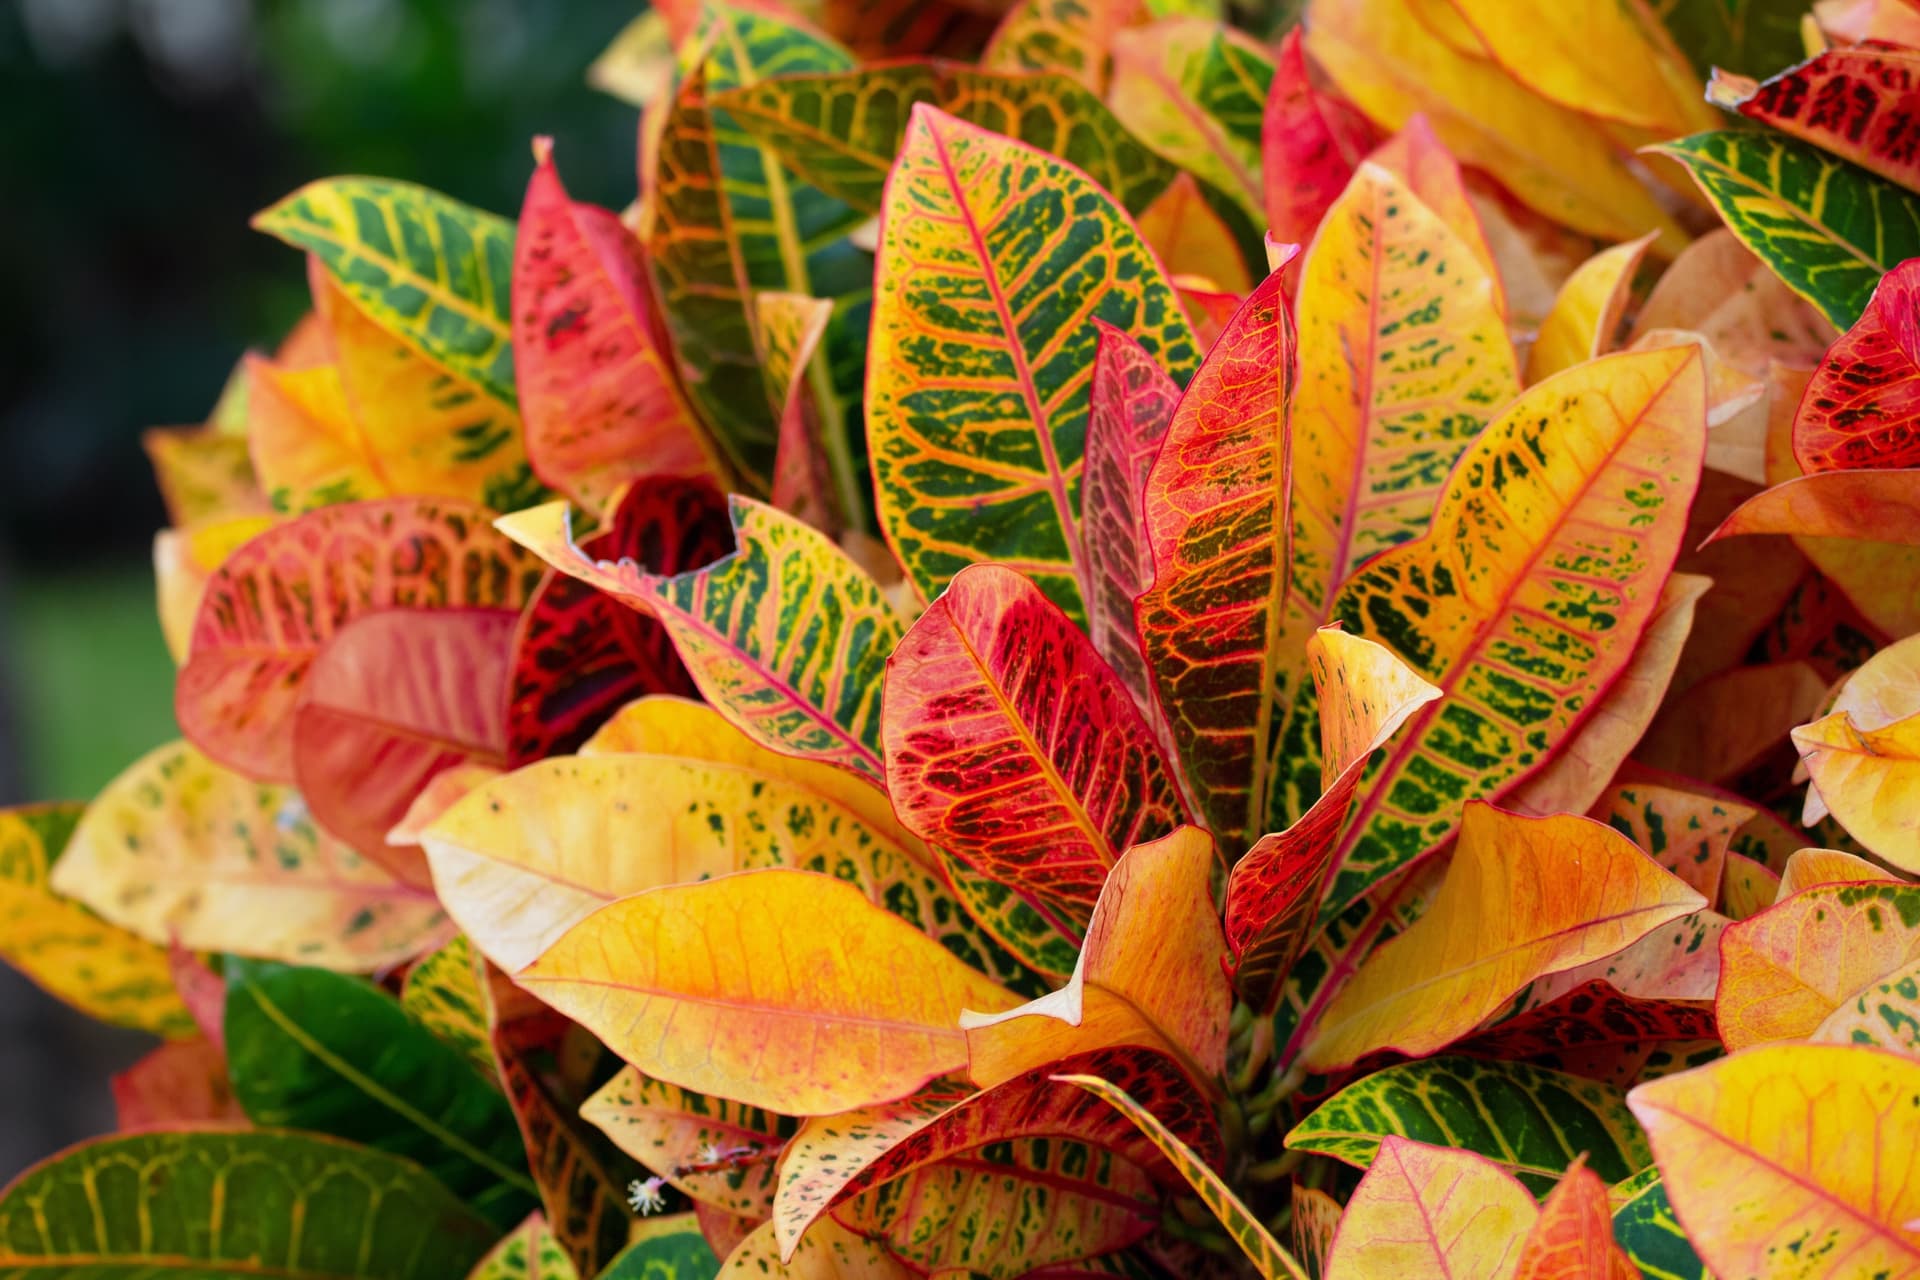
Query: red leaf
(1011, 744)
(579, 654)
(394, 698)
(1863, 405)
(183, 1082)
(1310, 144)
(1592, 1020)
(1858, 103)
(597, 391)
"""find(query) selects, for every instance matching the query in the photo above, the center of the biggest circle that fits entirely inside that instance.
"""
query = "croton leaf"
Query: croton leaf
(977, 416)
(784, 989)
(1861, 407)
(427, 268)
(714, 1150)
(392, 699)
(1590, 1029)
(829, 1252)
(328, 1053)
(442, 993)
(1885, 1012)
(1586, 312)
(1310, 143)
(1072, 37)
(1746, 35)
(1522, 897)
(1531, 1121)
(1193, 242)
(665, 1249)
(994, 914)
(1196, 92)
(580, 653)
(1150, 974)
(1221, 633)
(1806, 868)
(1365, 694)
(1316, 1216)
(1572, 1239)
(1426, 1210)
(596, 381)
(203, 473)
(787, 636)
(1131, 407)
(1560, 162)
(1418, 157)
(183, 852)
(100, 969)
(529, 1252)
(310, 1206)
(1783, 972)
(834, 1158)
(1644, 1224)
(1854, 102)
(1268, 1257)
(1826, 228)
(1573, 503)
(792, 328)
(279, 598)
(307, 448)
(1792, 1151)
(1685, 829)
(1864, 778)
(841, 132)
(1010, 742)
(183, 1082)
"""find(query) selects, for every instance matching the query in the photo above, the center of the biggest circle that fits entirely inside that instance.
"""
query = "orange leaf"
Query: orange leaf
(1572, 1239)
(1747, 887)
(1869, 780)
(781, 989)
(1190, 238)
(1586, 314)
(1431, 1211)
(1523, 897)
(1792, 1160)
(1786, 969)
(1149, 974)
(1806, 868)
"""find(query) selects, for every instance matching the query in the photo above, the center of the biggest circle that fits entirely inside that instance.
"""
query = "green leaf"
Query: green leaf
(1531, 1121)
(311, 1049)
(204, 1205)
(667, 1249)
(1829, 229)
(1645, 1226)
(421, 265)
(842, 131)
(1196, 91)
(1753, 37)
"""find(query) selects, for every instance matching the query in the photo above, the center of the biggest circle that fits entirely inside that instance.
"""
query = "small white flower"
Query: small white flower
(645, 1196)
(710, 1153)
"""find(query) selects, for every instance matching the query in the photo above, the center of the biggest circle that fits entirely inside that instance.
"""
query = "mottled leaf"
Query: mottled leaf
(714, 1150)
(529, 1252)
(1644, 1224)
(442, 993)
(1196, 92)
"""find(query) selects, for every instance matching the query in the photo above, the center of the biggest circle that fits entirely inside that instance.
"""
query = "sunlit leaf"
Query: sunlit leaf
(1806, 868)
(1261, 1249)
(1828, 229)
(1865, 779)
(596, 381)
(1586, 314)
(327, 1053)
(1532, 1122)
(1523, 897)
(1792, 1156)
(860, 1007)
(310, 1206)
(277, 600)
(1012, 744)
(100, 969)
(1150, 974)
(1572, 1239)
(181, 851)
(1425, 1210)
(977, 416)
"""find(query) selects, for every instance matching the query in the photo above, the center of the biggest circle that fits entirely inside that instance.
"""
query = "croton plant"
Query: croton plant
(1086, 644)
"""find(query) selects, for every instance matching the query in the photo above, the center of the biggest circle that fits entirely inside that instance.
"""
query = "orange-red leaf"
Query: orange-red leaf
(1857, 103)
(1863, 406)
(1572, 1239)
(1310, 143)
(1012, 744)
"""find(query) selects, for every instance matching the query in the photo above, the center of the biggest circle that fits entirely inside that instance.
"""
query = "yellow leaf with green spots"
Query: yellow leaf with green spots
(1645, 1226)
(100, 969)
(529, 1252)
(787, 637)
(1885, 1013)
(1549, 547)
(421, 265)
(994, 261)
(1530, 1121)
(183, 852)
(1072, 37)
(1196, 92)
(1828, 229)
(714, 1150)
(442, 993)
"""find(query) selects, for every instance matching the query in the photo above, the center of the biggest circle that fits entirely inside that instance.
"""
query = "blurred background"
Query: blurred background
(136, 139)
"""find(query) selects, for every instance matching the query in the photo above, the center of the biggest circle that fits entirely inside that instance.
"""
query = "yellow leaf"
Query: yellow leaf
(1561, 163)
(1806, 868)
(1419, 159)
(183, 561)
(1431, 1211)
(103, 971)
(1792, 1160)
(1747, 887)
(183, 852)
(1785, 970)
(828, 1252)
(1523, 897)
(1884, 689)
(1587, 312)
(1149, 974)
(1870, 780)
(780, 989)
(1885, 1013)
